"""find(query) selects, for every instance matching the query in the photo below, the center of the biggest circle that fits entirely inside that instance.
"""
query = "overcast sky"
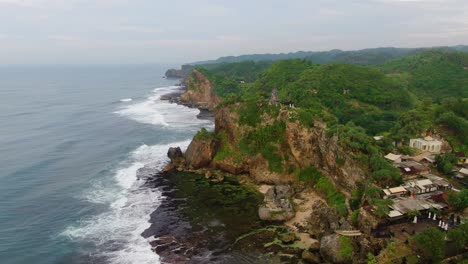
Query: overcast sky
(177, 31)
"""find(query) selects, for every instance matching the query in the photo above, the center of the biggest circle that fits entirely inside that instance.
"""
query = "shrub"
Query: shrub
(310, 174)
(459, 201)
(346, 249)
(431, 243)
(204, 134)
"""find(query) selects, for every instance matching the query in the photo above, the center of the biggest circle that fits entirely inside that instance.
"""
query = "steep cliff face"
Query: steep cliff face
(181, 73)
(300, 148)
(200, 92)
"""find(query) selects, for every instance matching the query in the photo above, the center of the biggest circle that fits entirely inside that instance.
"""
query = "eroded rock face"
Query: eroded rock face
(200, 92)
(367, 221)
(277, 204)
(260, 172)
(200, 153)
(324, 220)
(303, 147)
(330, 247)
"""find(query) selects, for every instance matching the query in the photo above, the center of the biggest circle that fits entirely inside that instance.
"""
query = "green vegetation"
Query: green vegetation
(365, 149)
(355, 217)
(204, 134)
(362, 57)
(460, 236)
(247, 71)
(445, 162)
(434, 74)
(420, 94)
(395, 252)
(231, 204)
(458, 201)
(431, 243)
(371, 259)
(346, 249)
(226, 152)
(323, 185)
(413, 213)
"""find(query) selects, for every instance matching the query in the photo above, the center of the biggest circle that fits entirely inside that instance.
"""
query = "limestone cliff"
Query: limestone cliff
(200, 92)
(300, 148)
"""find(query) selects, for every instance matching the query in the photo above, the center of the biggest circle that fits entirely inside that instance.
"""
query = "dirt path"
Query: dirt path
(304, 209)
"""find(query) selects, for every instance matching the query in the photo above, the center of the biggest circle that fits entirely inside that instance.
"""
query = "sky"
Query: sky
(181, 31)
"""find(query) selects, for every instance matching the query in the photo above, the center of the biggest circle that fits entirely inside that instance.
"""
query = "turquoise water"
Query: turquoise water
(71, 141)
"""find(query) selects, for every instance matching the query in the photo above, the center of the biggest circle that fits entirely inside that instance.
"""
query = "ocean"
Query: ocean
(71, 141)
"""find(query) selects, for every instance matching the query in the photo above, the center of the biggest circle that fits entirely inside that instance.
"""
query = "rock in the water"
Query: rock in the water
(310, 257)
(277, 206)
(175, 154)
(330, 247)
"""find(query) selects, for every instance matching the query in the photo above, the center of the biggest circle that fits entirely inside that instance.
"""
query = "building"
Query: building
(420, 186)
(395, 192)
(393, 157)
(378, 138)
(412, 168)
(440, 182)
(402, 206)
(426, 144)
(462, 159)
(463, 172)
(274, 96)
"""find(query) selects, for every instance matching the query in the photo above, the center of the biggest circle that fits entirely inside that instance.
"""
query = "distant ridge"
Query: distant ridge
(371, 56)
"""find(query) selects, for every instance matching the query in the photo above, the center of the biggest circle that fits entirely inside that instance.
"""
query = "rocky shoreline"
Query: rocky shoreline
(192, 226)
(175, 97)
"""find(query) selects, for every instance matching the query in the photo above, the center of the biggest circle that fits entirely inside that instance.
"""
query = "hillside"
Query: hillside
(362, 57)
(433, 74)
(303, 134)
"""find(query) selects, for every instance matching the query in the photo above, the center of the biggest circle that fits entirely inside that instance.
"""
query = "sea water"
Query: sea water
(72, 139)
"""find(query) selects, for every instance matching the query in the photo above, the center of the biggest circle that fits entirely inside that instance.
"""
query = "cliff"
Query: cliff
(200, 92)
(293, 149)
(181, 73)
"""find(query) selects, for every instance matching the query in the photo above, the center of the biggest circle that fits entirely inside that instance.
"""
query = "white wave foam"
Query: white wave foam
(159, 112)
(126, 100)
(117, 232)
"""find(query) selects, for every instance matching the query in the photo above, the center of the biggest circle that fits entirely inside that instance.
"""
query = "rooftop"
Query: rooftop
(392, 156)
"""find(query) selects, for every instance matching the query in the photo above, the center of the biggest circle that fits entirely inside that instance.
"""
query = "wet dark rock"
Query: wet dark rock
(175, 154)
(192, 225)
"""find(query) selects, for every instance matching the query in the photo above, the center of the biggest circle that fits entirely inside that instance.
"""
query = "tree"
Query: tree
(445, 162)
(460, 236)
(412, 213)
(431, 243)
(459, 201)
(381, 206)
